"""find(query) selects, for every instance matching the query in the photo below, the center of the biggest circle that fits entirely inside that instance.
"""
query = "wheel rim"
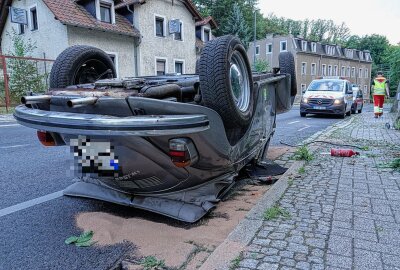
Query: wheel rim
(239, 82)
(90, 71)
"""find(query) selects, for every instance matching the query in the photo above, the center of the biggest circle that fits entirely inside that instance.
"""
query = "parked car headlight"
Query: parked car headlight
(305, 100)
(338, 101)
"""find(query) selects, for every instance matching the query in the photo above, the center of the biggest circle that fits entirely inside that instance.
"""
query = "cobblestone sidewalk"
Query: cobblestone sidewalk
(343, 213)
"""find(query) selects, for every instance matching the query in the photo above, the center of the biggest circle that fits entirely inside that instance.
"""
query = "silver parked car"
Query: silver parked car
(169, 144)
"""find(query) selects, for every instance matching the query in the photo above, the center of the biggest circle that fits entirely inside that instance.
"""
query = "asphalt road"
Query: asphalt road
(33, 238)
(292, 129)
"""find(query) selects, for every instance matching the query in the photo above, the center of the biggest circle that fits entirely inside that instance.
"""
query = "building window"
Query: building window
(304, 45)
(343, 71)
(314, 47)
(360, 73)
(206, 35)
(34, 19)
(269, 48)
(323, 70)
(179, 35)
(303, 68)
(329, 70)
(21, 29)
(335, 71)
(361, 56)
(366, 73)
(365, 90)
(160, 26)
(353, 72)
(161, 67)
(105, 12)
(179, 67)
(367, 57)
(258, 50)
(349, 53)
(313, 69)
(348, 72)
(283, 46)
(303, 87)
(339, 49)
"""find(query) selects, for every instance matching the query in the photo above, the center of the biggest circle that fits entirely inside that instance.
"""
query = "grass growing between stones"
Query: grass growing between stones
(275, 212)
(151, 262)
(302, 170)
(394, 164)
(302, 153)
(235, 262)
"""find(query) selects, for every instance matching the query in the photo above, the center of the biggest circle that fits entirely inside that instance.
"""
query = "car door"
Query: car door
(348, 95)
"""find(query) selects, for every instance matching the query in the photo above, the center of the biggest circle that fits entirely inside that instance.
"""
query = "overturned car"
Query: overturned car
(170, 144)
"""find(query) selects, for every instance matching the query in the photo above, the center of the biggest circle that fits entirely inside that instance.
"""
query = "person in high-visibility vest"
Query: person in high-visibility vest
(380, 88)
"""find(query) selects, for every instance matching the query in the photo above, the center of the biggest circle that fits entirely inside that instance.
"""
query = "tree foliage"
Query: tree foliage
(24, 75)
(236, 25)
(261, 65)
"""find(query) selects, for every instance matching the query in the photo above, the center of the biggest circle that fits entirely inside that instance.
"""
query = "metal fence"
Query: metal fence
(20, 75)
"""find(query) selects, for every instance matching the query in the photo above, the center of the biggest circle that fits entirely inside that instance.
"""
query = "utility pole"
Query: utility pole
(255, 37)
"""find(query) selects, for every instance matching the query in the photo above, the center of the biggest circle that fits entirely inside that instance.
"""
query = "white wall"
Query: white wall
(50, 38)
(122, 45)
(165, 47)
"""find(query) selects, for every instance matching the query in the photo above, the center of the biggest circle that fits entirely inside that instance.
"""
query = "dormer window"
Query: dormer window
(361, 56)
(105, 11)
(349, 53)
(313, 47)
(206, 34)
(304, 45)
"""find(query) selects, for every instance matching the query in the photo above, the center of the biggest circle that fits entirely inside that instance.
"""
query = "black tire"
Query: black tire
(303, 114)
(287, 66)
(353, 110)
(348, 113)
(215, 67)
(360, 110)
(68, 68)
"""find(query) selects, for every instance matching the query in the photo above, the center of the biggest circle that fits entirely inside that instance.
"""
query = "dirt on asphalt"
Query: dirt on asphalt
(181, 246)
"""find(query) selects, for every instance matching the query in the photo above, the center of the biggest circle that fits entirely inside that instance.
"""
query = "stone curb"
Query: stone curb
(243, 234)
(238, 240)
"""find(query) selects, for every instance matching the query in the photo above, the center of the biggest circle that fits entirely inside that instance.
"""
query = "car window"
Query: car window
(326, 85)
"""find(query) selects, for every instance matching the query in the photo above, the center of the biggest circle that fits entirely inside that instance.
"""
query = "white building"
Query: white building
(135, 33)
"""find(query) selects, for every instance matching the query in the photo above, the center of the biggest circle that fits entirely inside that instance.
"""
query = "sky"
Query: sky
(363, 17)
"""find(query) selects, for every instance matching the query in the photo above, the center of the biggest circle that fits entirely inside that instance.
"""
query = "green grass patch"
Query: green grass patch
(394, 164)
(4, 111)
(235, 262)
(302, 170)
(364, 148)
(302, 153)
(151, 262)
(275, 212)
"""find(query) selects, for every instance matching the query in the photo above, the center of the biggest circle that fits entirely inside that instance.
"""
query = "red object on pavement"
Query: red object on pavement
(343, 153)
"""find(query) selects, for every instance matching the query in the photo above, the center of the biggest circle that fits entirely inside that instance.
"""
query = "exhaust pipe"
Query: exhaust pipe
(35, 99)
(80, 102)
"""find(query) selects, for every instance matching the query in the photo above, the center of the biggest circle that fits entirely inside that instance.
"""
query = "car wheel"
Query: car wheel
(349, 112)
(360, 110)
(81, 64)
(226, 81)
(303, 114)
(287, 66)
(353, 110)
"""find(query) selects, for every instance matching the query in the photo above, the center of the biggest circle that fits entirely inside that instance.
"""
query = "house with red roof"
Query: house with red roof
(143, 37)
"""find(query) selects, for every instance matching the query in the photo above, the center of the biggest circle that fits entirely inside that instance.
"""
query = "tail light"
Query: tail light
(45, 138)
(182, 151)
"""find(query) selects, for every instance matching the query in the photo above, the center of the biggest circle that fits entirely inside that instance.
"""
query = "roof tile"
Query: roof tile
(70, 13)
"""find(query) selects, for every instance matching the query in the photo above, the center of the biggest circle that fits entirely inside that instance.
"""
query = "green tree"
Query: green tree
(393, 59)
(24, 75)
(236, 25)
(261, 65)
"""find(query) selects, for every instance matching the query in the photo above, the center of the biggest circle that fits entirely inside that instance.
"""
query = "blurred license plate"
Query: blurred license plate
(319, 108)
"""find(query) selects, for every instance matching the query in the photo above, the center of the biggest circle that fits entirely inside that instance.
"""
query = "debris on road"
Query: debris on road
(343, 153)
(84, 240)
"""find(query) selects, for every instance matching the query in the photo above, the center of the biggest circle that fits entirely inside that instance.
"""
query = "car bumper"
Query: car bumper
(332, 109)
(94, 124)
